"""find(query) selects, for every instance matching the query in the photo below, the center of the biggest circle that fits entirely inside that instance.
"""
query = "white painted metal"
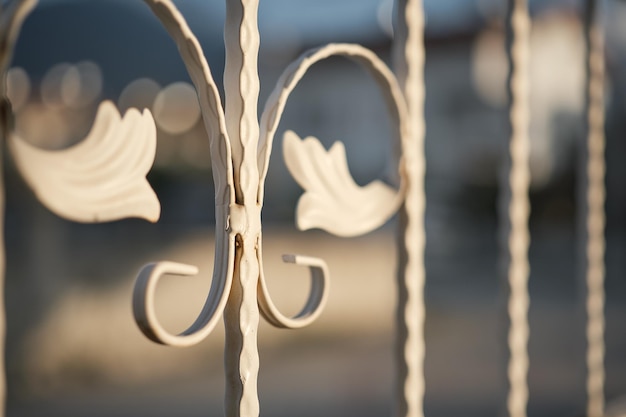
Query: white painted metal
(410, 310)
(594, 209)
(116, 155)
(237, 277)
(100, 179)
(241, 152)
(332, 200)
(103, 177)
(516, 208)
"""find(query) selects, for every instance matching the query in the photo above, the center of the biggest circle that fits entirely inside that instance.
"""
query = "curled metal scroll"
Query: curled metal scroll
(231, 216)
(213, 116)
(208, 95)
(228, 216)
(101, 178)
(150, 275)
(332, 200)
(315, 302)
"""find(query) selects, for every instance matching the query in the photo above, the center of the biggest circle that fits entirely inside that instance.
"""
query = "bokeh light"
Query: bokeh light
(52, 82)
(176, 108)
(18, 87)
(89, 84)
(139, 94)
(490, 67)
(74, 86)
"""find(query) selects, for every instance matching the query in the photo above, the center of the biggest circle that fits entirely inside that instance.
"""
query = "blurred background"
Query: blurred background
(73, 347)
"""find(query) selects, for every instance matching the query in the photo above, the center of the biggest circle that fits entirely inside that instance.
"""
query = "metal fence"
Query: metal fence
(103, 179)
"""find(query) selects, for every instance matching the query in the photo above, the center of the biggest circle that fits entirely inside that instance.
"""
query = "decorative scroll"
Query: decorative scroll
(232, 219)
(315, 303)
(333, 201)
(238, 288)
(100, 179)
(240, 152)
(594, 208)
(517, 209)
(208, 94)
(103, 177)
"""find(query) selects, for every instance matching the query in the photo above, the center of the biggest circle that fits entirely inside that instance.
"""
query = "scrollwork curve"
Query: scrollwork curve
(316, 300)
(374, 216)
(208, 94)
(221, 158)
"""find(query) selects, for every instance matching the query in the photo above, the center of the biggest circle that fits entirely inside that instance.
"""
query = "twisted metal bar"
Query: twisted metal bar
(411, 311)
(517, 208)
(241, 316)
(238, 277)
(594, 208)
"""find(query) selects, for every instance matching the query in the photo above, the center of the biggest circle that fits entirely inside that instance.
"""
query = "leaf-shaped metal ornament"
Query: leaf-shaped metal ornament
(333, 201)
(103, 177)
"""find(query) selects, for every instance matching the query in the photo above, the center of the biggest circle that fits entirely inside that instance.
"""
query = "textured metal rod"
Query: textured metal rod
(516, 208)
(241, 85)
(411, 312)
(594, 209)
(241, 315)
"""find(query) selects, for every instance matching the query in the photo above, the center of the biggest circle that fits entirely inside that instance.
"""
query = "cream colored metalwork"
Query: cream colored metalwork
(594, 200)
(517, 209)
(103, 177)
(332, 200)
(237, 276)
(241, 149)
(410, 310)
(332, 197)
(100, 179)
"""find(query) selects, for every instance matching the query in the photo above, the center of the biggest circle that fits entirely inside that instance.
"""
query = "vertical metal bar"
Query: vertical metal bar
(241, 315)
(515, 210)
(411, 312)
(594, 199)
(241, 85)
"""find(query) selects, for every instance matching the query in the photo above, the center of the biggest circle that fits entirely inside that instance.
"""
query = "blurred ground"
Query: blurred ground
(84, 355)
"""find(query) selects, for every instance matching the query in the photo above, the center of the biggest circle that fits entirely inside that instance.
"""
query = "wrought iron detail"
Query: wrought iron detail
(240, 152)
(100, 179)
